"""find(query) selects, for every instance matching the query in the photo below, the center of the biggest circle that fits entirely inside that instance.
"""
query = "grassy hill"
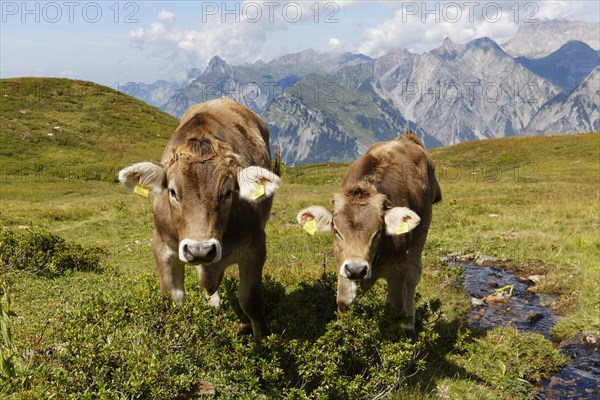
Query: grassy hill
(68, 128)
(532, 200)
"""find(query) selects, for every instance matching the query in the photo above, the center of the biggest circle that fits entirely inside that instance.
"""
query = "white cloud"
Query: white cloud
(420, 26)
(237, 36)
(255, 31)
(334, 42)
(166, 16)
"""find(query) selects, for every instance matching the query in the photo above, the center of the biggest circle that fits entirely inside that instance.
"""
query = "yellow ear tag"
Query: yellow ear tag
(141, 190)
(402, 228)
(310, 226)
(259, 192)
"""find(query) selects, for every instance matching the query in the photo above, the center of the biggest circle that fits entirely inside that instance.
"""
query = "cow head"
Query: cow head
(202, 178)
(360, 217)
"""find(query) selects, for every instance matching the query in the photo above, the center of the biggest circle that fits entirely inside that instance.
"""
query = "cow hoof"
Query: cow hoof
(410, 333)
(244, 328)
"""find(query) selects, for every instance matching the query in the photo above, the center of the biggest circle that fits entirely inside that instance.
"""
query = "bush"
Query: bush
(13, 372)
(46, 254)
(136, 344)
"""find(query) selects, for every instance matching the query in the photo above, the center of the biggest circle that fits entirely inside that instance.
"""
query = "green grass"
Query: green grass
(534, 201)
(98, 130)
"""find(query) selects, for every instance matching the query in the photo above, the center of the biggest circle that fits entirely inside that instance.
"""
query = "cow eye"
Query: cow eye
(375, 234)
(337, 233)
(226, 195)
(173, 193)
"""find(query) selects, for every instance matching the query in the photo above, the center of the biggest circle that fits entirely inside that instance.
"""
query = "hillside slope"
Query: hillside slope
(74, 129)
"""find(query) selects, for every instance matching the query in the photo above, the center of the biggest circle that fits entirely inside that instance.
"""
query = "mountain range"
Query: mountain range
(332, 107)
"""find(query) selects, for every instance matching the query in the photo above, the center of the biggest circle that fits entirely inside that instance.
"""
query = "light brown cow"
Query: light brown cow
(212, 197)
(381, 220)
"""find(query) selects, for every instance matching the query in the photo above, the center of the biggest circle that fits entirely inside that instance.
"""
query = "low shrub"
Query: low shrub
(46, 254)
(13, 371)
(136, 344)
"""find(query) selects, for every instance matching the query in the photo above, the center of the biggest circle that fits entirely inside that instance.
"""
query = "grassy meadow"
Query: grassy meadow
(106, 333)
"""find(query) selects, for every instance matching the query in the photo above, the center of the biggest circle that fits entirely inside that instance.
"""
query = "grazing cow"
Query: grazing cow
(212, 197)
(380, 221)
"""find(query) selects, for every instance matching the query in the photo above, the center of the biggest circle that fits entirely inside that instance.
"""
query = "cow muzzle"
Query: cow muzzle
(193, 252)
(355, 270)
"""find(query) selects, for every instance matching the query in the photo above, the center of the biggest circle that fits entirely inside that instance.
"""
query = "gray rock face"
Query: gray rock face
(332, 107)
(459, 93)
(567, 66)
(574, 112)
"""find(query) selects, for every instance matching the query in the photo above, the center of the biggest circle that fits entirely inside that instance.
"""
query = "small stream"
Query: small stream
(524, 310)
(499, 298)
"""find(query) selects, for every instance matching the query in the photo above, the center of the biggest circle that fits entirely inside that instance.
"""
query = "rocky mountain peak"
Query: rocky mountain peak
(217, 65)
(484, 43)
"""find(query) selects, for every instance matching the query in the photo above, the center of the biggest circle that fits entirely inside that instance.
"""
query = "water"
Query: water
(524, 310)
(530, 312)
(579, 379)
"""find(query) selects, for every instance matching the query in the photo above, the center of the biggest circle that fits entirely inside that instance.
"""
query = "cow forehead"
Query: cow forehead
(358, 216)
(207, 173)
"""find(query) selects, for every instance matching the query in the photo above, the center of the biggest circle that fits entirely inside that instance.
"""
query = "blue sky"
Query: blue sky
(114, 42)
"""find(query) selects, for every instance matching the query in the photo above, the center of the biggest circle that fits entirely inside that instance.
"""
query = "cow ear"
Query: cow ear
(399, 220)
(256, 183)
(144, 178)
(323, 219)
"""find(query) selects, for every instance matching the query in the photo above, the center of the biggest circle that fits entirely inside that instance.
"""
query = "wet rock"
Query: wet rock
(465, 257)
(535, 279)
(493, 299)
(476, 302)
(456, 256)
(493, 283)
(588, 340)
(487, 261)
(533, 318)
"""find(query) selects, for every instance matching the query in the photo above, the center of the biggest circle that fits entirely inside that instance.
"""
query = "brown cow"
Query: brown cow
(212, 197)
(380, 221)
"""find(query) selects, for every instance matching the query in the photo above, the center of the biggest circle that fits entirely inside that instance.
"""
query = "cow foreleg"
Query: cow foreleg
(401, 291)
(170, 270)
(250, 291)
(210, 278)
(346, 293)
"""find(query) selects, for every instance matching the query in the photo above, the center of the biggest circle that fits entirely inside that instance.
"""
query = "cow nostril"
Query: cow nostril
(212, 251)
(362, 273)
(198, 252)
(187, 253)
(355, 271)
